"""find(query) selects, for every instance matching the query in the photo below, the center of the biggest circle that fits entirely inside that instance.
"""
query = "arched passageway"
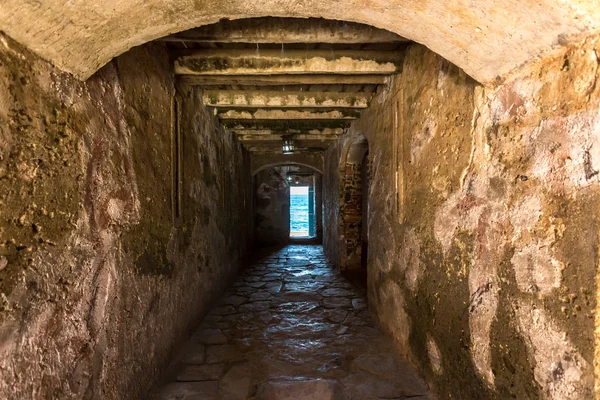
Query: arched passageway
(309, 160)
(353, 207)
(274, 214)
(486, 40)
(140, 203)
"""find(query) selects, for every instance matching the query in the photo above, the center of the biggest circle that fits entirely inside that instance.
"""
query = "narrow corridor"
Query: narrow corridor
(290, 328)
(148, 148)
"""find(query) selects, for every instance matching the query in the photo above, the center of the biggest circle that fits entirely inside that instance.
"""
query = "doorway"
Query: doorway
(302, 212)
(354, 206)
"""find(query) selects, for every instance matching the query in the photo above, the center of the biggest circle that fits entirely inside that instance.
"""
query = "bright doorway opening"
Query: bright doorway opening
(302, 211)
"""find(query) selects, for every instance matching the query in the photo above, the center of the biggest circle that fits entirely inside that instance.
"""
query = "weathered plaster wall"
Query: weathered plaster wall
(271, 206)
(482, 263)
(96, 284)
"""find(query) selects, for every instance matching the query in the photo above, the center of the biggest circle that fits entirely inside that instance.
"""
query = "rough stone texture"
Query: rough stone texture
(271, 206)
(190, 391)
(331, 202)
(484, 224)
(472, 35)
(351, 215)
(96, 283)
(312, 389)
(344, 194)
(296, 345)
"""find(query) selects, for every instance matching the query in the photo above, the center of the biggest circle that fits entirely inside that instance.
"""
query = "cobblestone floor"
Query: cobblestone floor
(290, 328)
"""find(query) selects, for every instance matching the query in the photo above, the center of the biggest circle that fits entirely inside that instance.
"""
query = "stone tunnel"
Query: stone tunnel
(148, 150)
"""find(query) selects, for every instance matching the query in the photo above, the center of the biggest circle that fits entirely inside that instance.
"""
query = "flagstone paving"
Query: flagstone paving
(290, 327)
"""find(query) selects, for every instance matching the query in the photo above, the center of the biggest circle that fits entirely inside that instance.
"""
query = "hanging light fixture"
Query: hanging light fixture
(288, 144)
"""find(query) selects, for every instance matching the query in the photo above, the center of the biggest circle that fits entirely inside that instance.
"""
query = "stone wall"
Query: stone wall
(351, 216)
(483, 224)
(271, 206)
(98, 279)
(331, 202)
(345, 191)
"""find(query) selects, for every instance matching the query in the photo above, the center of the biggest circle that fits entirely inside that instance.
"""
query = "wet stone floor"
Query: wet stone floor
(290, 327)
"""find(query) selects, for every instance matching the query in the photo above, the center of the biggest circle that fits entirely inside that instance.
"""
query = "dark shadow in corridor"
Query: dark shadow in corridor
(290, 327)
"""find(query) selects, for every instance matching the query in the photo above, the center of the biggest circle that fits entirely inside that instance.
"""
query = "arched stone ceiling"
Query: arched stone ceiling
(487, 38)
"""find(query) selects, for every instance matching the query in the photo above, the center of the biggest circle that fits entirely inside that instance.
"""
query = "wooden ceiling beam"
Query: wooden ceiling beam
(273, 99)
(269, 62)
(281, 80)
(288, 114)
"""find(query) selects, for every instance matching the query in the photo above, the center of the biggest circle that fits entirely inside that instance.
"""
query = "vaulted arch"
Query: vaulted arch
(487, 39)
(311, 160)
